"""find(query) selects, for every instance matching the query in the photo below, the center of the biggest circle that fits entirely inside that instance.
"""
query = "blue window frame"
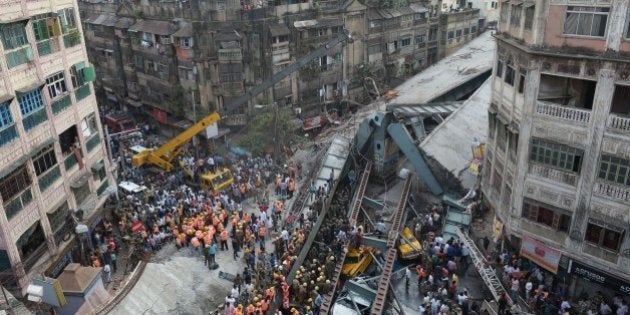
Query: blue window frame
(6, 119)
(30, 102)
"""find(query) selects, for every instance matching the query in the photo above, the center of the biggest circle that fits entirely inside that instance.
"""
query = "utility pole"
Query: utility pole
(194, 108)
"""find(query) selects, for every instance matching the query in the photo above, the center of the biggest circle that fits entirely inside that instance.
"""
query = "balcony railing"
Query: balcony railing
(613, 191)
(72, 39)
(553, 174)
(618, 123)
(82, 92)
(18, 203)
(92, 143)
(34, 120)
(59, 105)
(49, 178)
(102, 188)
(34, 256)
(47, 47)
(70, 161)
(7, 135)
(577, 115)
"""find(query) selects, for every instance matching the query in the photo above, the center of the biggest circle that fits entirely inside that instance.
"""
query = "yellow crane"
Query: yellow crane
(164, 156)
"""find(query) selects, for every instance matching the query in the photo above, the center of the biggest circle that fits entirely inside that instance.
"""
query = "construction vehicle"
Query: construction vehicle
(409, 247)
(164, 156)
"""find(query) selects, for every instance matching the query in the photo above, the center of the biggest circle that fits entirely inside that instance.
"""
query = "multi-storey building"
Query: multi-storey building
(52, 156)
(170, 55)
(557, 171)
(458, 27)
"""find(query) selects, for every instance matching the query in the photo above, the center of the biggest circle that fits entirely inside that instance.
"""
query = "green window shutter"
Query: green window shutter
(88, 74)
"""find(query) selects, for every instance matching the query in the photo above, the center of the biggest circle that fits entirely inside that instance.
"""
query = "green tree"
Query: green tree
(267, 125)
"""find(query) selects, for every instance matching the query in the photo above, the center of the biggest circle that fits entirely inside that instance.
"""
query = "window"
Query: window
(509, 74)
(56, 85)
(166, 40)
(405, 42)
(557, 155)
(30, 102)
(13, 35)
(505, 7)
(499, 72)
(529, 17)
(14, 183)
(81, 74)
(515, 18)
(186, 73)
(601, 236)
(420, 39)
(466, 31)
(186, 42)
(420, 16)
(67, 19)
(45, 26)
(458, 33)
(58, 217)
(473, 29)
(148, 37)
(521, 80)
(89, 126)
(451, 34)
(44, 160)
(556, 219)
(587, 21)
(406, 18)
(6, 120)
(615, 170)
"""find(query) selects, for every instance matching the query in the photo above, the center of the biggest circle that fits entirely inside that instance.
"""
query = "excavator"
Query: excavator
(164, 156)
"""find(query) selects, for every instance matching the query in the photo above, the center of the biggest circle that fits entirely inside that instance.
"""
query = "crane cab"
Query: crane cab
(216, 181)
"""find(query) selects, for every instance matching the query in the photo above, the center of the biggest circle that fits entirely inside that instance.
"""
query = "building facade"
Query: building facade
(557, 169)
(52, 154)
(159, 58)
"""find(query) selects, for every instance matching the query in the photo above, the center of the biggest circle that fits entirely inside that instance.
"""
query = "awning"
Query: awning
(515, 2)
(28, 88)
(529, 4)
(14, 166)
(154, 27)
(98, 166)
(6, 98)
(278, 30)
(185, 30)
(38, 148)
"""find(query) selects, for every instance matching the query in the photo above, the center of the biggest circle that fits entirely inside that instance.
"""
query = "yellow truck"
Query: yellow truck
(409, 247)
(357, 261)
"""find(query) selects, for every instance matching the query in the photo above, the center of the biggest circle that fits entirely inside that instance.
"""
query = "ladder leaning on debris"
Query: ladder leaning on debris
(390, 257)
(356, 204)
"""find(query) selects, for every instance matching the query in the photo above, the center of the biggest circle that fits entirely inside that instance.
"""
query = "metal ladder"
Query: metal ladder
(383, 284)
(487, 273)
(356, 205)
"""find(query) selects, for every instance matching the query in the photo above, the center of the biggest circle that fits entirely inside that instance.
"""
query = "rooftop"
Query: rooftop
(76, 278)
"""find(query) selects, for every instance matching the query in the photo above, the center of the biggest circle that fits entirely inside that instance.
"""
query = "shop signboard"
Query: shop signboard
(541, 254)
(159, 115)
(599, 277)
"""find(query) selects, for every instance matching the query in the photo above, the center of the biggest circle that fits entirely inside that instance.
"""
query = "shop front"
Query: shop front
(545, 258)
(588, 282)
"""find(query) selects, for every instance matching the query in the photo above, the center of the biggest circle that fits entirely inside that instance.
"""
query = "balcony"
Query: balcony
(70, 161)
(610, 190)
(47, 179)
(82, 92)
(618, 123)
(47, 47)
(92, 143)
(553, 174)
(59, 105)
(599, 252)
(230, 54)
(572, 114)
(72, 39)
(35, 119)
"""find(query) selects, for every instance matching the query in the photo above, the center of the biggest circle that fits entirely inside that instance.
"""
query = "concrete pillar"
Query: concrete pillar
(597, 124)
(616, 24)
(41, 208)
(532, 82)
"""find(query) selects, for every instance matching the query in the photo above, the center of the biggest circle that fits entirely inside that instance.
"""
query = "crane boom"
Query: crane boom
(163, 156)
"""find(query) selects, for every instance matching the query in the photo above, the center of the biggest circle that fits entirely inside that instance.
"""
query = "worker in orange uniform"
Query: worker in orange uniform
(224, 239)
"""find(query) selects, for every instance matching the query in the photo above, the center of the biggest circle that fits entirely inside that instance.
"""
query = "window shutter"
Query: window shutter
(88, 74)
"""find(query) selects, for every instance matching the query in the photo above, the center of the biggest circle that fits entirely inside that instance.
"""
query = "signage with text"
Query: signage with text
(541, 254)
(599, 277)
